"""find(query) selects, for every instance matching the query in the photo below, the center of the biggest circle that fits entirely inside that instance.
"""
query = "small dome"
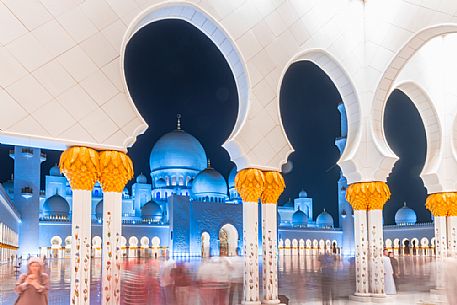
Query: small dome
(99, 210)
(303, 194)
(231, 178)
(405, 216)
(177, 149)
(56, 205)
(151, 211)
(141, 179)
(299, 219)
(209, 183)
(324, 220)
(55, 171)
(160, 183)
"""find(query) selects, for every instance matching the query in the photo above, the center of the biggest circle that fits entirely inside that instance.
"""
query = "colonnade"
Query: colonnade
(8, 243)
(443, 207)
(254, 185)
(83, 167)
(367, 199)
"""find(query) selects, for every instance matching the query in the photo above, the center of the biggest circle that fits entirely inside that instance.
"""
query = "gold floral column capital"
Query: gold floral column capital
(273, 187)
(116, 169)
(81, 167)
(368, 195)
(249, 183)
(442, 204)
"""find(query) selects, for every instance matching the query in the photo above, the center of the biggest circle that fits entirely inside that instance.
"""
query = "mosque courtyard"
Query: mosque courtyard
(300, 280)
(275, 150)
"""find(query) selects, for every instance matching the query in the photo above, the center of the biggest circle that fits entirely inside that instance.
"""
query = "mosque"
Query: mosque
(188, 209)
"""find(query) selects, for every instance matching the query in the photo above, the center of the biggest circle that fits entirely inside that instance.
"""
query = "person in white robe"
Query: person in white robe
(389, 283)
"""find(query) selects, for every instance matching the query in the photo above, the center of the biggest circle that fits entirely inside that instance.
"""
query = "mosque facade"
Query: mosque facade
(187, 208)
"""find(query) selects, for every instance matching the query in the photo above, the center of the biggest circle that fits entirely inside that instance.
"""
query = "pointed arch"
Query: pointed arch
(345, 86)
(212, 29)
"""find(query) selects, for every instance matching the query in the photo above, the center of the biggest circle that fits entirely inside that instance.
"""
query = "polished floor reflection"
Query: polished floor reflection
(302, 279)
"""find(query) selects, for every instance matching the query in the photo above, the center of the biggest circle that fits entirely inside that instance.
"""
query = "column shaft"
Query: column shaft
(441, 236)
(112, 231)
(251, 252)
(270, 254)
(81, 248)
(375, 242)
(361, 251)
(452, 235)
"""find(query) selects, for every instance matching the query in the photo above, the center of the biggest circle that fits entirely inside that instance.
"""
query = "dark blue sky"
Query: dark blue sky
(171, 68)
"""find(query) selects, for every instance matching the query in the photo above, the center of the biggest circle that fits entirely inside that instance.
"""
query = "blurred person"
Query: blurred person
(33, 286)
(167, 285)
(451, 280)
(327, 264)
(389, 283)
(395, 268)
(235, 269)
(214, 282)
(183, 284)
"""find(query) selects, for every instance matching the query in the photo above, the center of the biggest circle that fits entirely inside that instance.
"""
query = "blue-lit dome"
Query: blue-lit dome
(209, 183)
(160, 183)
(231, 178)
(54, 171)
(177, 149)
(303, 194)
(151, 211)
(299, 219)
(405, 216)
(56, 205)
(324, 220)
(99, 210)
(141, 179)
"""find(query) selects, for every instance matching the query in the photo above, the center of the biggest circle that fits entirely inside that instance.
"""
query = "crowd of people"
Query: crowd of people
(217, 281)
(214, 281)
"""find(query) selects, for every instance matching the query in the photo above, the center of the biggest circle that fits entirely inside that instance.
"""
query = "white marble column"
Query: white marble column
(251, 252)
(441, 250)
(111, 251)
(451, 235)
(270, 254)
(375, 252)
(80, 247)
(441, 236)
(361, 252)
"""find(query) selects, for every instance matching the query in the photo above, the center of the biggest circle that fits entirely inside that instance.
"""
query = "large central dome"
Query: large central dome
(177, 149)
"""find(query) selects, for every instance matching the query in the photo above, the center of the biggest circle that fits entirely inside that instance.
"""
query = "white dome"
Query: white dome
(209, 183)
(405, 216)
(141, 179)
(56, 205)
(177, 149)
(324, 220)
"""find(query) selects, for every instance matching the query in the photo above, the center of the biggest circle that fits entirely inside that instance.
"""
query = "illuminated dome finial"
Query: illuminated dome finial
(178, 123)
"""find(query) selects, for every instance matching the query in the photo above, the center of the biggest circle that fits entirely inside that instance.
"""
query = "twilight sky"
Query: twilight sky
(171, 67)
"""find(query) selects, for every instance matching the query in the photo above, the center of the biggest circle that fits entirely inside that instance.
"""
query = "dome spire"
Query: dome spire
(404, 203)
(178, 123)
(209, 163)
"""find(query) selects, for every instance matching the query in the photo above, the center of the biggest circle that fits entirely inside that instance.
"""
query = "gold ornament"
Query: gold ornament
(442, 204)
(249, 183)
(81, 166)
(116, 169)
(368, 195)
(273, 187)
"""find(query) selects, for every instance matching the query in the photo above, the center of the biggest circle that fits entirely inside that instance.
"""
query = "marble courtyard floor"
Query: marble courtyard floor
(300, 280)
